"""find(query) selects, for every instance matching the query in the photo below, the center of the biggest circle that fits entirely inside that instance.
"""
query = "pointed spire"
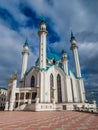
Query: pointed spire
(72, 35)
(26, 42)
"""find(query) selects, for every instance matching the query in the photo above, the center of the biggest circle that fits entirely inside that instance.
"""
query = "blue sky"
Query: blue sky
(20, 19)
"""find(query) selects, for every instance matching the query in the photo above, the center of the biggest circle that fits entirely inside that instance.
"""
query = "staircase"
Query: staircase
(26, 107)
(29, 107)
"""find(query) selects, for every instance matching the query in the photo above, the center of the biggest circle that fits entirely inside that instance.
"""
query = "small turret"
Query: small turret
(12, 95)
(10, 82)
(15, 76)
(64, 55)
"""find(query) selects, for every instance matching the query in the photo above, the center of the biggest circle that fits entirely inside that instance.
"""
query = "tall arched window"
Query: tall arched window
(51, 86)
(32, 81)
(59, 88)
(51, 81)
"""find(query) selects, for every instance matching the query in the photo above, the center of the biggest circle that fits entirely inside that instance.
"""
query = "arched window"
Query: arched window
(32, 81)
(54, 61)
(51, 81)
(59, 88)
(51, 87)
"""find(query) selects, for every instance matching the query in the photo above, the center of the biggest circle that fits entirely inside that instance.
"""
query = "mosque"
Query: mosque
(50, 84)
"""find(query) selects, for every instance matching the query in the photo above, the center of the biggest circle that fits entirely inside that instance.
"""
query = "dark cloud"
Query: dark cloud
(8, 19)
(91, 6)
(53, 35)
(33, 18)
(86, 36)
(50, 2)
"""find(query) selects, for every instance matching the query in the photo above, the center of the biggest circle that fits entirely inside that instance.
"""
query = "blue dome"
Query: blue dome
(43, 20)
(53, 56)
(63, 52)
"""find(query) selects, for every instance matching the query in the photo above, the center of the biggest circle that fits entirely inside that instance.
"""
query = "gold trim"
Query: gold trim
(15, 76)
(10, 80)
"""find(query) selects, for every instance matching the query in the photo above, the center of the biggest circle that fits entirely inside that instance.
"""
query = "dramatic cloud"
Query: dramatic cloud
(20, 19)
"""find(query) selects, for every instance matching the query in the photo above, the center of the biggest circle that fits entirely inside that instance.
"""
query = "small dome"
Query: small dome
(64, 52)
(43, 20)
(52, 56)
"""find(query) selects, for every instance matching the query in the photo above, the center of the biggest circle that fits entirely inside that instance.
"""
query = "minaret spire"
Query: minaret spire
(74, 48)
(26, 42)
(42, 53)
(25, 54)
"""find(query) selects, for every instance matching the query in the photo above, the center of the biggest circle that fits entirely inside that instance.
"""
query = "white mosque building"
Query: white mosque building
(50, 84)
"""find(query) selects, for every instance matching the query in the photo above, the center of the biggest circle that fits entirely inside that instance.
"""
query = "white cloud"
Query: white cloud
(11, 47)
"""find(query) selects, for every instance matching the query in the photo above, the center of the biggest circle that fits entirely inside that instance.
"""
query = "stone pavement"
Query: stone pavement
(55, 120)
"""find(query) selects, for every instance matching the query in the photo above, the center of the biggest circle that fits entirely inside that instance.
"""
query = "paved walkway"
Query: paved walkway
(58, 120)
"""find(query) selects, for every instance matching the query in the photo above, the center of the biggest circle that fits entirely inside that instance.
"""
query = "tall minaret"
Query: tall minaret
(74, 48)
(65, 61)
(42, 52)
(25, 54)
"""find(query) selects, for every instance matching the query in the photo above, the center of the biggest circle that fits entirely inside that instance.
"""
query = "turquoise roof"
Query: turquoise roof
(51, 56)
(36, 68)
(3, 88)
(72, 35)
(26, 42)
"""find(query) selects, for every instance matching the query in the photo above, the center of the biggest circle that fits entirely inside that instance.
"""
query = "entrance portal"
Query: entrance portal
(33, 96)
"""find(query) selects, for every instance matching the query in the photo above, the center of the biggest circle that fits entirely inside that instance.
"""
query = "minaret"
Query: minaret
(65, 61)
(74, 48)
(42, 52)
(25, 54)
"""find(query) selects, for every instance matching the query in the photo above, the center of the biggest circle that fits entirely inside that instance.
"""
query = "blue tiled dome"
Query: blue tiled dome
(52, 56)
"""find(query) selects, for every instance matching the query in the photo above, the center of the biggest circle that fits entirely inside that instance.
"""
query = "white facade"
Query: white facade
(50, 84)
(3, 94)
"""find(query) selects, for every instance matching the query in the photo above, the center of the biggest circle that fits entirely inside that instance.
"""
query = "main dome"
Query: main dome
(51, 56)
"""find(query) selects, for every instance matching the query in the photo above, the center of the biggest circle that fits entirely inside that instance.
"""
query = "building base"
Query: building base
(57, 106)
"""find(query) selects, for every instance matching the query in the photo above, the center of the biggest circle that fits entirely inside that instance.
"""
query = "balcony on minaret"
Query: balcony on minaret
(42, 27)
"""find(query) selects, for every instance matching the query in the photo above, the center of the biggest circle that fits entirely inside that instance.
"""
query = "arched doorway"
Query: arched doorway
(59, 91)
(34, 97)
